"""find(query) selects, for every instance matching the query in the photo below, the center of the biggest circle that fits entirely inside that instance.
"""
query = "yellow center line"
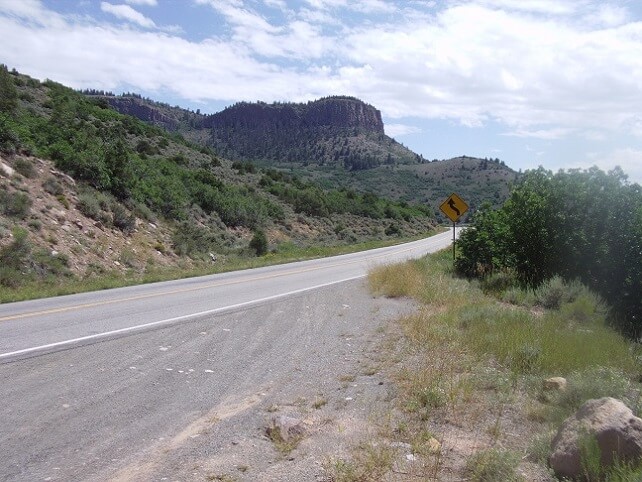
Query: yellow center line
(187, 290)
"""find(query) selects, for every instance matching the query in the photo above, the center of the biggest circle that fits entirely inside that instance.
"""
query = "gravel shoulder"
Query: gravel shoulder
(192, 401)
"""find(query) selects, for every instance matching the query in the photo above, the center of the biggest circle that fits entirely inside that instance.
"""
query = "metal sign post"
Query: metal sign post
(454, 240)
(454, 207)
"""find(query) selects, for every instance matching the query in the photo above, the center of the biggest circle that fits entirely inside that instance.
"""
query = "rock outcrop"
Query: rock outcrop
(330, 112)
(142, 110)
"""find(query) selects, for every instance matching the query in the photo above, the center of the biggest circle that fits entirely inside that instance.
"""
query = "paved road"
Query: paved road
(35, 327)
(106, 385)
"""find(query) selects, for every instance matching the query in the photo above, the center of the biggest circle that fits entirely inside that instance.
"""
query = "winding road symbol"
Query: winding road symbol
(451, 203)
(454, 207)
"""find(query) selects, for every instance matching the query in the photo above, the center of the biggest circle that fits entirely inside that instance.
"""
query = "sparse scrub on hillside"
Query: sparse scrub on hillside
(20, 263)
(25, 167)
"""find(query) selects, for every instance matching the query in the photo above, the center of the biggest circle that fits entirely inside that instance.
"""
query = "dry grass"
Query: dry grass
(471, 372)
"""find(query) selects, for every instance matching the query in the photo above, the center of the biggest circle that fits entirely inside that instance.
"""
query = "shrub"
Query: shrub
(25, 167)
(123, 219)
(259, 243)
(17, 204)
(53, 186)
(393, 230)
(13, 259)
(88, 205)
(191, 239)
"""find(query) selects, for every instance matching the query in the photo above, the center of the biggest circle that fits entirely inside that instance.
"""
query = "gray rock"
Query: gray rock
(617, 431)
(286, 428)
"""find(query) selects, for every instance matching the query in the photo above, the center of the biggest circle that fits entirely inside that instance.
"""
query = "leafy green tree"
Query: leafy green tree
(483, 249)
(532, 228)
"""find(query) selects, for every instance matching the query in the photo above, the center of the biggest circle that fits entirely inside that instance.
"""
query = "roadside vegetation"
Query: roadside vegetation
(471, 404)
(575, 225)
(546, 286)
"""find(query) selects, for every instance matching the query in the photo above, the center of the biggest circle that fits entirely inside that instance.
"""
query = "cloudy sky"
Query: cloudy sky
(556, 83)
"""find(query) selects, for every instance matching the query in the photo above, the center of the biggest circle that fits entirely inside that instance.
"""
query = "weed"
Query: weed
(35, 224)
(590, 383)
(280, 443)
(63, 200)
(540, 447)
(369, 462)
(222, 478)
(319, 402)
(493, 466)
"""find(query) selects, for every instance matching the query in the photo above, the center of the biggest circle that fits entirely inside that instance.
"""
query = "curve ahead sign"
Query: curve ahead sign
(454, 207)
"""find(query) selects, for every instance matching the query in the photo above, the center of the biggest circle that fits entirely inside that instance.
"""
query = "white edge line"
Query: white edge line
(86, 340)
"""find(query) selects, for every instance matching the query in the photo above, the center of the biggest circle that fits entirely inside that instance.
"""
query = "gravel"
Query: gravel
(192, 401)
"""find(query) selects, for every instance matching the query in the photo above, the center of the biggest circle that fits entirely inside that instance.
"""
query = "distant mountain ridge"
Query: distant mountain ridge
(337, 141)
(340, 131)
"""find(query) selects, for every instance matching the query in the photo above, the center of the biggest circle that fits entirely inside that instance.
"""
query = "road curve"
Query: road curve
(32, 328)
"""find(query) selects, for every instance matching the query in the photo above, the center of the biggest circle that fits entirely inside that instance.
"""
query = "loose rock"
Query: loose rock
(617, 431)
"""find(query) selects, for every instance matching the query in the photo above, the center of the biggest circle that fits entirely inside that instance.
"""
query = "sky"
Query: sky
(552, 83)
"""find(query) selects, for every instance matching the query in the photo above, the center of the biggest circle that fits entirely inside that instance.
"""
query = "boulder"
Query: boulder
(617, 431)
(5, 170)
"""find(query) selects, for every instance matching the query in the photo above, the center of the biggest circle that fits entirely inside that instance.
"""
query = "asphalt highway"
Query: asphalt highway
(90, 382)
(40, 326)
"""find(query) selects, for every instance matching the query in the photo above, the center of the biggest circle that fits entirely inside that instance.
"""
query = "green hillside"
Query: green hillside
(125, 173)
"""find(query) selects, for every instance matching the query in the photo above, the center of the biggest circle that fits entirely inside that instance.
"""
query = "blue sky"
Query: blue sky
(556, 83)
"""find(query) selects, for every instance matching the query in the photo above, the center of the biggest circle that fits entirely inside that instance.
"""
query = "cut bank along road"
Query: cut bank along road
(42, 326)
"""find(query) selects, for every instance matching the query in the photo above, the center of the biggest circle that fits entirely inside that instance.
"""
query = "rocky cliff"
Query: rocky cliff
(340, 131)
(331, 112)
(144, 110)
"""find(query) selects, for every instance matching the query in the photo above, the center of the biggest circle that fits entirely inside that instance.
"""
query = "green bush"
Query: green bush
(259, 243)
(13, 259)
(190, 239)
(89, 205)
(25, 167)
(16, 204)
(123, 219)
(53, 186)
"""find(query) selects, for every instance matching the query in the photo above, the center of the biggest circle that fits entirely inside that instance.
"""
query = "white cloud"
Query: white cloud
(397, 130)
(127, 13)
(148, 3)
(629, 159)
(547, 134)
(550, 7)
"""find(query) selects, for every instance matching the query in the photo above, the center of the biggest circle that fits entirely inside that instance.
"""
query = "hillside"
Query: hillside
(336, 141)
(71, 161)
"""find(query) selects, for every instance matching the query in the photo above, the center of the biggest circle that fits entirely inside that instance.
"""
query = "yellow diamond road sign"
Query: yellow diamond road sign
(454, 207)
